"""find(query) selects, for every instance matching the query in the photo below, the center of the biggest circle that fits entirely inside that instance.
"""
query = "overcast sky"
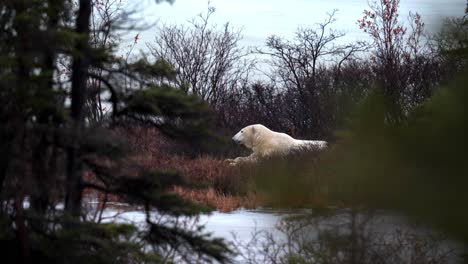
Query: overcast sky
(262, 18)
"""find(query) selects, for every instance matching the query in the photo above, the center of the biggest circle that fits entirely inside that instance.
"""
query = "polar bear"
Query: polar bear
(264, 142)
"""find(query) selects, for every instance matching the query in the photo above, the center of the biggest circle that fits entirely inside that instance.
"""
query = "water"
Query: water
(241, 223)
(254, 232)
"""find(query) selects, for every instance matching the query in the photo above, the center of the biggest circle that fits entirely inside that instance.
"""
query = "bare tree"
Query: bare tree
(450, 42)
(298, 62)
(403, 65)
(301, 67)
(104, 16)
(208, 58)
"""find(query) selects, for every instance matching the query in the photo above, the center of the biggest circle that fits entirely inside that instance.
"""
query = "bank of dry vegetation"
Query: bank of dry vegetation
(213, 182)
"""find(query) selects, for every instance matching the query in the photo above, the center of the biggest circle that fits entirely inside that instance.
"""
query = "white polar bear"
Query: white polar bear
(264, 142)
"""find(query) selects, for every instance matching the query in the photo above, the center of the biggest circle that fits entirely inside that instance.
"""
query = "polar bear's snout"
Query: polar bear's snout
(237, 138)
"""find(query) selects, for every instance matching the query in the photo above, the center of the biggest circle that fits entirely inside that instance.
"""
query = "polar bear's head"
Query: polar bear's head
(249, 135)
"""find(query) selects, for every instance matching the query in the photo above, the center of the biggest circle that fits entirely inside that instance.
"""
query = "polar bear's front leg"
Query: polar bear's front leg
(242, 160)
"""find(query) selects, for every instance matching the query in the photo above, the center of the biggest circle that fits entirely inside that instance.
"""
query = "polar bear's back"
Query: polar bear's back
(266, 142)
(318, 144)
(274, 142)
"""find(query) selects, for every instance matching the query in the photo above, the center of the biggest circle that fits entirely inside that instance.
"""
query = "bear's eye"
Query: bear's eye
(242, 131)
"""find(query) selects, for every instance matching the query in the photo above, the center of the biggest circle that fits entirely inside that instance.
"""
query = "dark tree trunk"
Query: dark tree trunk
(42, 158)
(73, 186)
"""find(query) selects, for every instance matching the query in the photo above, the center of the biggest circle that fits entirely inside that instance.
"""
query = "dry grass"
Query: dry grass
(215, 182)
(222, 202)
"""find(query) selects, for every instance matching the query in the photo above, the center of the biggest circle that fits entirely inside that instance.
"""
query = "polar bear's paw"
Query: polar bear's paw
(242, 160)
(231, 162)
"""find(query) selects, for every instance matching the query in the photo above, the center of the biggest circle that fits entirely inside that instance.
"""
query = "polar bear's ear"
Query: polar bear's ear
(253, 129)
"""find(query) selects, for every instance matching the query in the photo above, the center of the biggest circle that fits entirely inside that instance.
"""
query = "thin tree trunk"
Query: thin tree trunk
(41, 160)
(73, 186)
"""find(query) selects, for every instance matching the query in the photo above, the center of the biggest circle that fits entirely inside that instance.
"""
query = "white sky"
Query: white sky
(262, 18)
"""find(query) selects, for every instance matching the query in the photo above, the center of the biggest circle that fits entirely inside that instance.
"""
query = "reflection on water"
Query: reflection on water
(254, 232)
(240, 222)
(243, 222)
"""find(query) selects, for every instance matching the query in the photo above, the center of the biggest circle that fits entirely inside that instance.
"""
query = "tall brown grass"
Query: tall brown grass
(214, 182)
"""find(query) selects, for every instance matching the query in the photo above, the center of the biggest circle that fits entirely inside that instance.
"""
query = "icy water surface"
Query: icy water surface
(241, 223)
(382, 231)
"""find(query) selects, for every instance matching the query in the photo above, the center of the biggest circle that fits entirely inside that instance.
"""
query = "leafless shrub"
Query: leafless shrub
(297, 63)
(304, 72)
(402, 59)
(208, 58)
